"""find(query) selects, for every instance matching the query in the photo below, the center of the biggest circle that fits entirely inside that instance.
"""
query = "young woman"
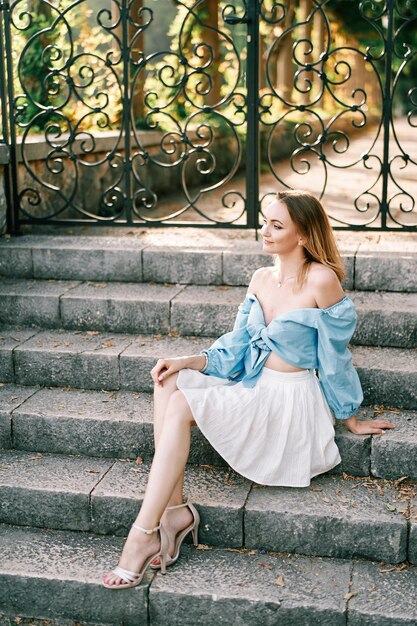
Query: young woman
(255, 394)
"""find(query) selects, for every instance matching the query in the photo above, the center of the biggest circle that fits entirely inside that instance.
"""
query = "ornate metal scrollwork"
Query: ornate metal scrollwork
(168, 113)
(133, 131)
(340, 96)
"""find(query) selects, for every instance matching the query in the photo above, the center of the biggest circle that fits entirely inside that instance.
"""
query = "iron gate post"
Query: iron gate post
(9, 135)
(126, 112)
(387, 110)
(252, 140)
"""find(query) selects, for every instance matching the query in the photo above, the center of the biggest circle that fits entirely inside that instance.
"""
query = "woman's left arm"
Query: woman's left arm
(333, 346)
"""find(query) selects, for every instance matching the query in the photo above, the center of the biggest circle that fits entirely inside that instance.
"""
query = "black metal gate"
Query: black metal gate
(195, 112)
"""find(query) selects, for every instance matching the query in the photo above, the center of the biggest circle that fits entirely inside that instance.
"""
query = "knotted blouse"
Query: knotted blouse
(307, 338)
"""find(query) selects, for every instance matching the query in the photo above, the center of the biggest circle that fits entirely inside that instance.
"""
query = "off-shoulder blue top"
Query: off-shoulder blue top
(306, 338)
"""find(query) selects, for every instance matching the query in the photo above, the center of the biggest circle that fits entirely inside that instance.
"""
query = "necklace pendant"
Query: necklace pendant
(279, 285)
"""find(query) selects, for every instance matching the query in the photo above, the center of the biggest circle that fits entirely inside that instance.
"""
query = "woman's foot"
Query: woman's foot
(173, 522)
(137, 549)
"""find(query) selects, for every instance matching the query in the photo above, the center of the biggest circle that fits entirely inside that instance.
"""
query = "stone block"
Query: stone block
(388, 375)
(11, 397)
(395, 454)
(334, 517)
(205, 311)
(35, 583)
(389, 270)
(354, 450)
(91, 423)
(214, 587)
(199, 266)
(87, 258)
(140, 357)
(348, 259)
(412, 540)
(202, 452)
(87, 360)
(48, 491)
(239, 265)
(11, 338)
(31, 302)
(15, 259)
(119, 307)
(386, 319)
(383, 595)
(218, 495)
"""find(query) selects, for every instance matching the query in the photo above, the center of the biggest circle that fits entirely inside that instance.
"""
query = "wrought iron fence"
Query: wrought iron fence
(196, 112)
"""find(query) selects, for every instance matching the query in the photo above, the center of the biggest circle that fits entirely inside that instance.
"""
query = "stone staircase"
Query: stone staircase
(83, 320)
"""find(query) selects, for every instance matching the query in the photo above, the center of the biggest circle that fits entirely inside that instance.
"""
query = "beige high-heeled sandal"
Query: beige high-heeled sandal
(132, 579)
(193, 528)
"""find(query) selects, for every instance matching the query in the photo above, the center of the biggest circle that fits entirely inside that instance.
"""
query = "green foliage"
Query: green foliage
(63, 71)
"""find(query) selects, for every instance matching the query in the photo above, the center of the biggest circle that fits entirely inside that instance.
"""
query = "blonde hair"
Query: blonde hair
(313, 225)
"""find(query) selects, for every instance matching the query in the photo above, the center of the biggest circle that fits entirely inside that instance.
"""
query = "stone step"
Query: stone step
(120, 424)
(94, 360)
(56, 575)
(197, 256)
(384, 319)
(337, 516)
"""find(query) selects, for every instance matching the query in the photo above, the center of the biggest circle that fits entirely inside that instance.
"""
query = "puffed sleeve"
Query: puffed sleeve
(225, 358)
(338, 378)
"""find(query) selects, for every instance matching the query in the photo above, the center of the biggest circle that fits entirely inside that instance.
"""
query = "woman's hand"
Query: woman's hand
(167, 367)
(367, 427)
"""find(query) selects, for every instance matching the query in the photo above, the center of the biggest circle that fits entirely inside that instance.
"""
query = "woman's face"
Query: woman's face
(278, 232)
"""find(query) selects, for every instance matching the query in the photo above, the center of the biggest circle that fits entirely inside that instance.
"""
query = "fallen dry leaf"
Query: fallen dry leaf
(201, 546)
(280, 581)
(92, 333)
(400, 480)
(228, 475)
(394, 568)
(91, 471)
(265, 565)
(350, 595)
(107, 344)
(139, 460)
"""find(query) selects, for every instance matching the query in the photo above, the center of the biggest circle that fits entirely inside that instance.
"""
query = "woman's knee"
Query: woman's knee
(169, 386)
(178, 408)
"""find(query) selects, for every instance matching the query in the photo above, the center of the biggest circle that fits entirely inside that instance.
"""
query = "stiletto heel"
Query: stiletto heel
(132, 579)
(163, 561)
(194, 532)
(193, 528)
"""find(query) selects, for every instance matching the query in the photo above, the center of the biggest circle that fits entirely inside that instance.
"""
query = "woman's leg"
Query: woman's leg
(177, 519)
(167, 467)
(161, 398)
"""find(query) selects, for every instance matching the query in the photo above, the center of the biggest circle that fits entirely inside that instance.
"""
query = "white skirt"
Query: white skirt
(278, 433)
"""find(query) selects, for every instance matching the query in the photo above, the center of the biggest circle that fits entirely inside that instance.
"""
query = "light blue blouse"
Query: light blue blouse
(306, 338)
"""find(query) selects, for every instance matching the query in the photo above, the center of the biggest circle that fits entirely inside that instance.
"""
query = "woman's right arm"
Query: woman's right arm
(230, 346)
(167, 367)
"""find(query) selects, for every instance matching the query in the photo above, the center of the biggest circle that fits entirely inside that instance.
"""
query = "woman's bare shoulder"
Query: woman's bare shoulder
(325, 285)
(258, 278)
